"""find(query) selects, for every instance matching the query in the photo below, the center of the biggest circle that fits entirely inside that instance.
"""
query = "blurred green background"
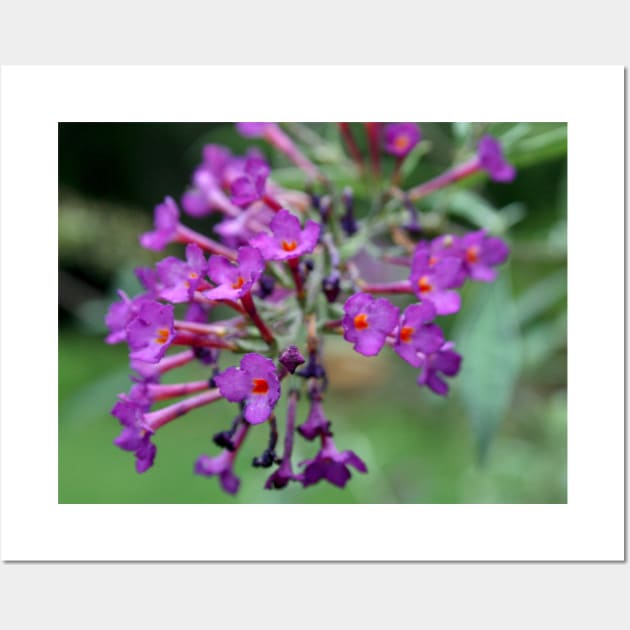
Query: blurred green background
(500, 436)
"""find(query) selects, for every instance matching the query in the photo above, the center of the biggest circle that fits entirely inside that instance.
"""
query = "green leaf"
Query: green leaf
(488, 338)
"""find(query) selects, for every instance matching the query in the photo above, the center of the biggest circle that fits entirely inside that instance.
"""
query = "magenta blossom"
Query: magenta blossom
(432, 277)
(445, 361)
(177, 279)
(367, 322)
(135, 436)
(166, 221)
(120, 314)
(399, 139)
(235, 280)
(416, 334)
(481, 253)
(331, 465)
(251, 185)
(222, 466)
(255, 383)
(492, 160)
(151, 332)
(287, 239)
(316, 422)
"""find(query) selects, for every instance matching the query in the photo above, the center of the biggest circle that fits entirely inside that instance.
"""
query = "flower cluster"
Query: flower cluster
(229, 302)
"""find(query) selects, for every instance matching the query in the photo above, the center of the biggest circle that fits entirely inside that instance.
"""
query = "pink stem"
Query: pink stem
(203, 329)
(449, 177)
(276, 137)
(272, 203)
(346, 134)
(373, 130)
(162, 392)
(250, 308)
(294, 267)
(190, 339)
(186, 235)
(159, 418)
(392, 288)
(200, 298)
(174, 361)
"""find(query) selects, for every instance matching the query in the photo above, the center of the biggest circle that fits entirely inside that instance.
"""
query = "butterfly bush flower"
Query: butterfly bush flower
(222, 466)
(399, 139)
(177, 279)
(443, 362)
(491, 159)
(481, 253)
(234, 279)
(255, 383)
(331, 465)
(431, 279)
(251, 185)
(368, 322)
(416, 334)
(228, 301)
(287, 239)
(151, 332)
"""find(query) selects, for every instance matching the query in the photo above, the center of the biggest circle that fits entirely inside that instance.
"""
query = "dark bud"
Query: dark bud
(331, 287)
(266, 286)
(224, 440)
(309, 264)
(208, 356)
(291, 358)
(315, 200)
(266, 460)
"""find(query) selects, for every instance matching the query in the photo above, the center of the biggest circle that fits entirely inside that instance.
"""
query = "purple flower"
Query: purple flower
(491, 159)
(401, 138)
(220, 466)
(481, 253)
(416, 334)
(178, 279)
(166, 222)
(445, 361)
(431, 277)
(367, 322)
(316, 421)
(287, 240)
(120, 314)
(135, 436)
(331, 465)
(250, 186)
(255, 382)
(281, 477)
(234, 280)
(151, 332)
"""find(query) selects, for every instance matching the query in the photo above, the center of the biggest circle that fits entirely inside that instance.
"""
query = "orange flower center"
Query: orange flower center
(361, 321)
(424, 285)
(401, 142)
(432, 261)
(405, 334)
(288, 246)
(259, 386)
(162, 336)
(193, 275)
(472, 254)
(239, 283)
